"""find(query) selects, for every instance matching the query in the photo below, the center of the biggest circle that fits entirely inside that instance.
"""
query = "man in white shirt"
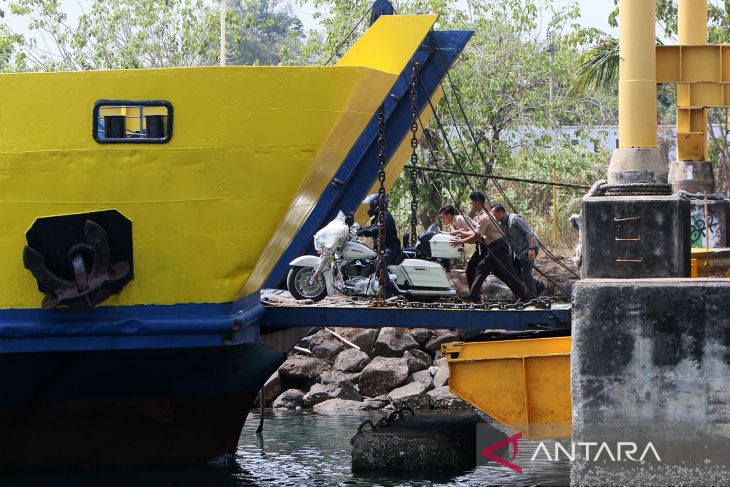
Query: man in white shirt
(462, 227)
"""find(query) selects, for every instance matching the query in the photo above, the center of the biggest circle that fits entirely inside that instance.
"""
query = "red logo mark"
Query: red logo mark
(487, 452)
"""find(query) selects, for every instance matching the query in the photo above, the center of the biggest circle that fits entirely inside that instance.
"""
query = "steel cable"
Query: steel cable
(496, 183)
(509, 271)
(472, 188)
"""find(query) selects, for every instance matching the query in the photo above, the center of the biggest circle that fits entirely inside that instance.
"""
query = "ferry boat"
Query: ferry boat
(143, 211)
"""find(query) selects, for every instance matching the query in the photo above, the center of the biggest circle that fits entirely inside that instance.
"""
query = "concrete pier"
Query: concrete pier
(635, 237)
(692, 176)
(422, 443)
(651, 364)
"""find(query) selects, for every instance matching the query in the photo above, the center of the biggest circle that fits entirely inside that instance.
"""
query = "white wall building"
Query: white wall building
(596, 138)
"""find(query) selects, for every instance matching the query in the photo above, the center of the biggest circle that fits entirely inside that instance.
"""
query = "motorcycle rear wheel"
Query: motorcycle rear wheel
(299, 285)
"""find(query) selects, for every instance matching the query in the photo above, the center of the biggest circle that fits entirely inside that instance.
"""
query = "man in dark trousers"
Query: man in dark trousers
(523, 243)
(496, 261)
(477, 201)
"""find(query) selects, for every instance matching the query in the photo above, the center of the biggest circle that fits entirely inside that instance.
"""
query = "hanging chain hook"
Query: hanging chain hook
(382, 207)
(414, 156)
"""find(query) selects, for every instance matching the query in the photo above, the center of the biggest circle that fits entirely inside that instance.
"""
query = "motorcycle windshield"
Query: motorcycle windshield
(332, 235)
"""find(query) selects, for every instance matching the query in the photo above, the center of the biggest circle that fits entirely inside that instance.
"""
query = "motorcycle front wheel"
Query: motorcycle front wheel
(301, 285)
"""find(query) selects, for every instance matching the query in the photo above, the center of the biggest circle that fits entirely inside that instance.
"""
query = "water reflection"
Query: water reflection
(302, 448)
(297, 448)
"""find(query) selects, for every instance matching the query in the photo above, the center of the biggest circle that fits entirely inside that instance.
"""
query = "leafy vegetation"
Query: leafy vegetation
(150, 34)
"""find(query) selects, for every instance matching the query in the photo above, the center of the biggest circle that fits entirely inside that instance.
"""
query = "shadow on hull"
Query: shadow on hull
(65, 418)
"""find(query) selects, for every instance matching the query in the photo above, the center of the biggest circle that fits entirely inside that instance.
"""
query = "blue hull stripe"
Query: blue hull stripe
(130, 327)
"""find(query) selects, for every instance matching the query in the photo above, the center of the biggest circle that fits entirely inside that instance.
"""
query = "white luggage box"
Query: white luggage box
(425, 274)
(441, 247)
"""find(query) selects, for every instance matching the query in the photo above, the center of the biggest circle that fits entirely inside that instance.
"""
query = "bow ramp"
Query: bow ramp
(391, 45)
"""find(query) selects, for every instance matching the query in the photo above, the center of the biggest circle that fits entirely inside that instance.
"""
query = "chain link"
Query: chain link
(382, 207)
(414, 157)
(544, 302)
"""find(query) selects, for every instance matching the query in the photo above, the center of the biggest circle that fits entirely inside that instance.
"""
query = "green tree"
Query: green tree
(9, 44)
(119, 34)
(504, 82)
(270, 33)
(154, 33)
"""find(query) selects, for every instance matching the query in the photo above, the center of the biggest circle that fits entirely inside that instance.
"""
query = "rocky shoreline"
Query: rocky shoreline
(342, 370)
(360, 369)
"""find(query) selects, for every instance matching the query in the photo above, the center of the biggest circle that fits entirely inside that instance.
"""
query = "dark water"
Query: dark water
(297, 448)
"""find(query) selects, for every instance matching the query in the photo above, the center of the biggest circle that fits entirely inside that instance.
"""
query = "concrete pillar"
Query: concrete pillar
(637, 160)
(632, 232)
(635, 236)
(692, 172)
(650, 362)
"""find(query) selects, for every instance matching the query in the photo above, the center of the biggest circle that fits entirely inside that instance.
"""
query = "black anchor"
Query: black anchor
(91, 286)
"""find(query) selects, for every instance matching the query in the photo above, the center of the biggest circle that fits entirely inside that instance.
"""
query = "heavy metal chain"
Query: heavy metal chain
(543, 302)
(414, 157)
(382, 207)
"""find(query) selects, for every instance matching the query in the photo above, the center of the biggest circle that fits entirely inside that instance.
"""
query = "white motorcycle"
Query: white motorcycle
(348, 266)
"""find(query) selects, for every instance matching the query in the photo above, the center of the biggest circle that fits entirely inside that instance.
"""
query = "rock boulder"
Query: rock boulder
(392, 342)
(362, 337)
(442, 398)
(271, 390)
(333, 377)
(333, 407)
(353, 377)
(415, 360)
(411, 395)
(421, 335)
(351, 360)
(311, 341)
(382, 375)
(289, 399)
(444, 336)
(493, 288)
(328, 350)
(422, 376)
(301, 372)
(322, 392)
(442, 374)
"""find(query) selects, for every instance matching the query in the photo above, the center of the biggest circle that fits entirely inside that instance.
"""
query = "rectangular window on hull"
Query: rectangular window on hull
(132, 122)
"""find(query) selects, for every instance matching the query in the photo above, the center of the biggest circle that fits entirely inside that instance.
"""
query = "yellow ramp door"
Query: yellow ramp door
(523, 384)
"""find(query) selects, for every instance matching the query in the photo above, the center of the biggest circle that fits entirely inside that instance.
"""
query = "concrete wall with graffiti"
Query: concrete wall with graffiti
(709, 230)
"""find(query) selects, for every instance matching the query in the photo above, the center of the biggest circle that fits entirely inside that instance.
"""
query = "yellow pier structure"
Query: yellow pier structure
(523, 384)
(711, 262)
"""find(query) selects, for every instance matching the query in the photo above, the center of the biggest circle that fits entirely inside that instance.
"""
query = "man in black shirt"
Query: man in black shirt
(392, 248)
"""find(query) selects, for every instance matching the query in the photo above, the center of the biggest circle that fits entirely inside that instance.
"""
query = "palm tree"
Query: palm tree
(598, 66)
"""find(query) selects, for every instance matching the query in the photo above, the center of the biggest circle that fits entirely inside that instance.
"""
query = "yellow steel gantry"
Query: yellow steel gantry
(702, 75)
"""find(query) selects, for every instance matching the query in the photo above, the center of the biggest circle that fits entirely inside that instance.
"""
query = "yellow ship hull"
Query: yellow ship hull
(213, 209)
